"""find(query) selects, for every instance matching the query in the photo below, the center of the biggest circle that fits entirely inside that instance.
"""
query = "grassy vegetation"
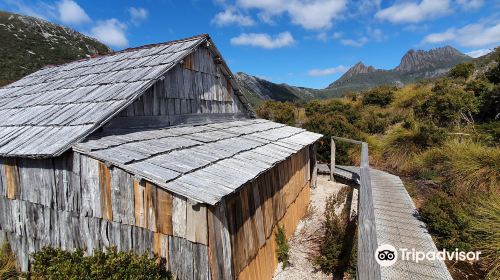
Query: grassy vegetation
(8, 263)
(442, 136)
(282, 247)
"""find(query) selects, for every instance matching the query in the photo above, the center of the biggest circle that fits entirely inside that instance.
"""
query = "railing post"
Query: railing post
(332, 160)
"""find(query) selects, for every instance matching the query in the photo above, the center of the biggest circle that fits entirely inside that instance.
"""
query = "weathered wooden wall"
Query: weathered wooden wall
(74, 201)
(195, 88)
(242, 227)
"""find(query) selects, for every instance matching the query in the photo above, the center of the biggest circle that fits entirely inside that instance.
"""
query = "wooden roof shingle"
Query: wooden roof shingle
(200, 161)
(46, 112)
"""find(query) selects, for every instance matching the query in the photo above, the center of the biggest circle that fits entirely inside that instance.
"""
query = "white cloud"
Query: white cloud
(325, 36)
(111, 32)
(472, 35)
(479, 52)
(310, 14)
(470, 4)
(322, 36)
(231, 16)
(138, 14)
(315, 14)
(414, 12)
(375, 33)
(354, 43)
(327, 71)
(434, 38)
(264, 40)
(71, 13)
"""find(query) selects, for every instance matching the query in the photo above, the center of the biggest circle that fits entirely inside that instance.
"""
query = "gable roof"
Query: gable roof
(202, 162)
(46, 112)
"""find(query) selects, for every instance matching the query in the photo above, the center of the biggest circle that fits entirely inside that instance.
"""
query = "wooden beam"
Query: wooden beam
(332, 160)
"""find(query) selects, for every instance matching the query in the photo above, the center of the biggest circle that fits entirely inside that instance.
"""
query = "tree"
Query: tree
(448, 105)
(381, 96)
(493, 75)
(462, 70)
(282, 112)
(488, 96)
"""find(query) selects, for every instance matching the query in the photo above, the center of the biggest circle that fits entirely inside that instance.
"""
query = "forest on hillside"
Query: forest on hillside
(441, 136)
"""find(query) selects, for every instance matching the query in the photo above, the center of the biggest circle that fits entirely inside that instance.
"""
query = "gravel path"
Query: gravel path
(305, 239)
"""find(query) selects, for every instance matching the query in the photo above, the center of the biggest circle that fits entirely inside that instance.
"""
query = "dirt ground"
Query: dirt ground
(305, 239)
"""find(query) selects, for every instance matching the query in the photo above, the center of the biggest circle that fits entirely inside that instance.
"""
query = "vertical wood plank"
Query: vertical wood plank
(164, 218)
(151, 207)
(139, 203)
(196, 220)
(11, 178)
(91, 197)
(105, 190)
(179, 216)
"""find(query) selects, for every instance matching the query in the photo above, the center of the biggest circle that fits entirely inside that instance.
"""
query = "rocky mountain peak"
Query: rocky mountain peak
(416, 60)
(359, 68)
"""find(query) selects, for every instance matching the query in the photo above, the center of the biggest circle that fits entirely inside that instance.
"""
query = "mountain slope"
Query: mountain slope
(29, 43)
(414, 65)
(256, 90)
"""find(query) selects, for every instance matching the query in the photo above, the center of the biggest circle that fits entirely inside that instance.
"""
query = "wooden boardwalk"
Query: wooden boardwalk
(397, 223)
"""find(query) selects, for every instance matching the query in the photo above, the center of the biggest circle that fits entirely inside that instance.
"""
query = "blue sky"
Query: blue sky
(299, 42)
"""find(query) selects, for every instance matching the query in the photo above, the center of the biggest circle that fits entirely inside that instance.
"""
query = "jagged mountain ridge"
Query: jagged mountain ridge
(419, 60)
(30, 43)
(414, 65)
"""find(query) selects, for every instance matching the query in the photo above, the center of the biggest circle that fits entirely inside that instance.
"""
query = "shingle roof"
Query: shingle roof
(203, 162)
(44, 113)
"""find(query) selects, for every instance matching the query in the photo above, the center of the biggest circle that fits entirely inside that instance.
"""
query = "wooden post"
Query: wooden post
(332, 160)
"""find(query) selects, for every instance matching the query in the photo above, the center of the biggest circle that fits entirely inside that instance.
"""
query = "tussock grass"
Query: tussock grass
(400, 148)
(8, 263)
(486, 233)
(466, 166)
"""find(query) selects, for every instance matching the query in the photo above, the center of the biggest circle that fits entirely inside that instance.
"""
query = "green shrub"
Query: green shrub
(381, 96)
(282, 247)
(50, 263)
(448, 105)
(493, 74)
(447, 221)
(282, 112)
(489, 108)
(332, 239)
(462, 70)
(332, 107)
(490, 132)
(332, 125)
(374, 121)
(8, 263)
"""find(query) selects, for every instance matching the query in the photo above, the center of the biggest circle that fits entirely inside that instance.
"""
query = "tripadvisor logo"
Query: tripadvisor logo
(387, 255)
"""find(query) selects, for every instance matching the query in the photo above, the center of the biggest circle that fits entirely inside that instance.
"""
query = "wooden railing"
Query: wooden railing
(367, 266)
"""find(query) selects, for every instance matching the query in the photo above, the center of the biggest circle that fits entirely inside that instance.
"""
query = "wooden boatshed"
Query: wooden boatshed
(155, 150)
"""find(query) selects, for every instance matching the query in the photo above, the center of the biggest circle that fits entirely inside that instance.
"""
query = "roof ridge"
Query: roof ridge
(147, 46)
